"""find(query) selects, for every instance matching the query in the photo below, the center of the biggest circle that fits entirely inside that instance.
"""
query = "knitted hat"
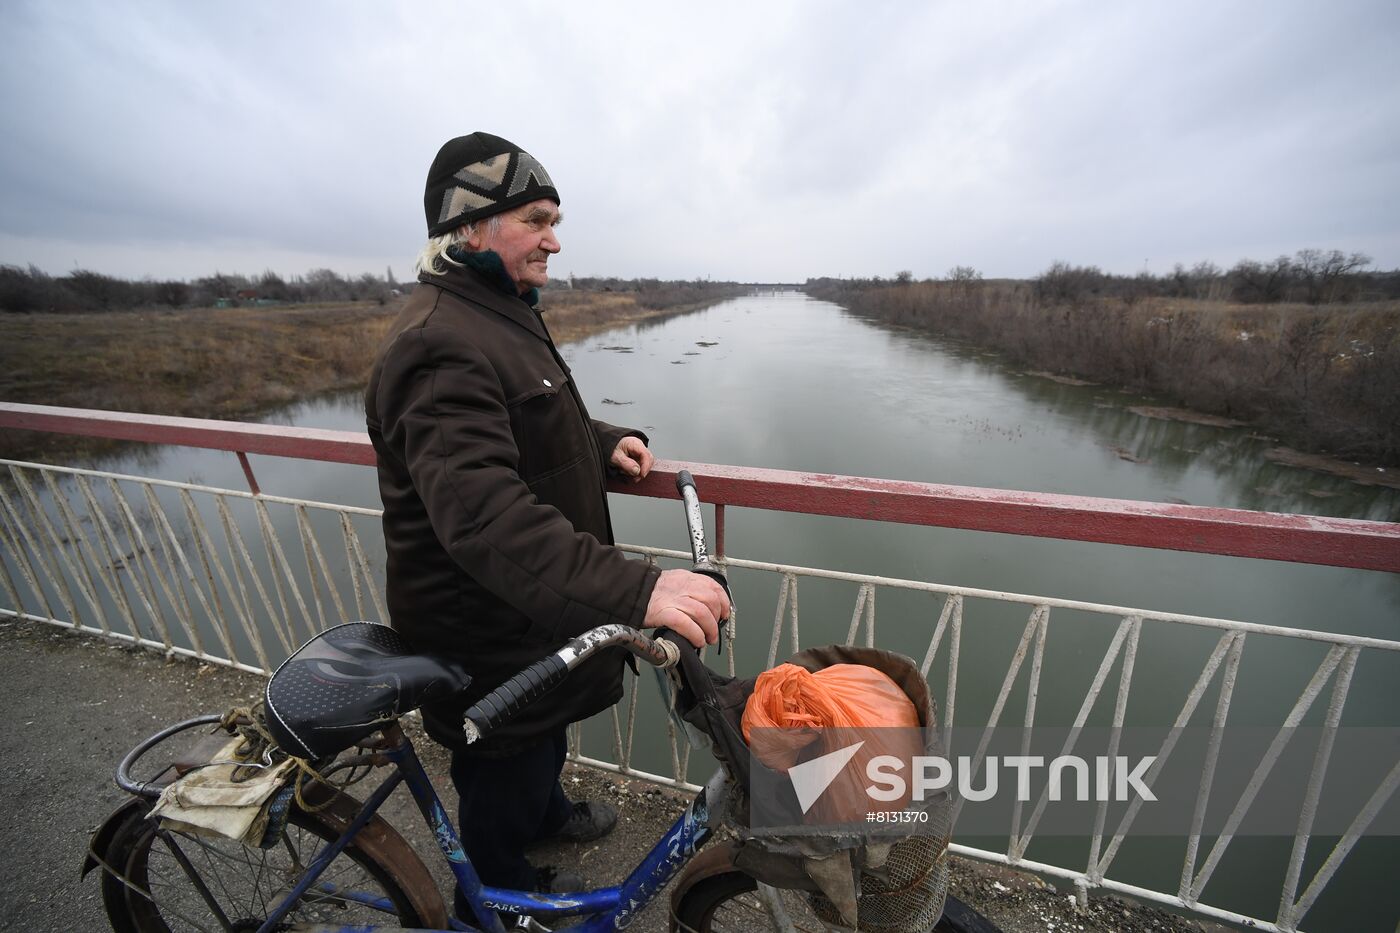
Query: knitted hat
(479, 175)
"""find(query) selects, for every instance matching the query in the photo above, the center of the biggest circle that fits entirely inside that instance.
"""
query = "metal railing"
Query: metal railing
(135, 559)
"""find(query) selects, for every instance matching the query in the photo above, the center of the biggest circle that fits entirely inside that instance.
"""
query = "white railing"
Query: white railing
(134, 559)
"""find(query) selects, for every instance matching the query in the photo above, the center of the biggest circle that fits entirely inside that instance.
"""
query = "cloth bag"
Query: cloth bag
(222, 798)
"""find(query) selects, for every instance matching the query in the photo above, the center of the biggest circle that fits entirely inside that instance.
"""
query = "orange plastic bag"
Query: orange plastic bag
(818, 712)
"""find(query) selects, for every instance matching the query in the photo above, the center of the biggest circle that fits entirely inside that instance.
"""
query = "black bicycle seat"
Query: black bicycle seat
(348, 682)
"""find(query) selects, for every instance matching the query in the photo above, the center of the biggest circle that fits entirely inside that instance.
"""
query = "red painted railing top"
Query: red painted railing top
(1340, 542)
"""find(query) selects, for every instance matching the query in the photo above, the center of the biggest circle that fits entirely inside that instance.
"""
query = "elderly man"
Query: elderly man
(496, 525)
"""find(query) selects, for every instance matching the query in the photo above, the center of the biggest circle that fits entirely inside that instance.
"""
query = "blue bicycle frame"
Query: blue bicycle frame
(604, 909)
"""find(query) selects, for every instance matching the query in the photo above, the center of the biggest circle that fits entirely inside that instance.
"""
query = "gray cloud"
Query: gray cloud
(771, 141)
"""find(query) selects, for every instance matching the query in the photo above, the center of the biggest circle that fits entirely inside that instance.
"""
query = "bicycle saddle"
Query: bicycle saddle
(348, 682)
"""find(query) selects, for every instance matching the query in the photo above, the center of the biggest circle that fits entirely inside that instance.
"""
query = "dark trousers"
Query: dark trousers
(507, 803)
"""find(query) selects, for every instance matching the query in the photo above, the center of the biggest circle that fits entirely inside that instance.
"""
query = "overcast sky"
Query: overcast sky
(763, 141)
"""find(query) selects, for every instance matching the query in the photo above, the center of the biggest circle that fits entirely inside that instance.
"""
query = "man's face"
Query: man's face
(524, 242)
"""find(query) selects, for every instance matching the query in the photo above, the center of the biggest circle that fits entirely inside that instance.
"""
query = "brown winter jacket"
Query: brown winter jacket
(496, 520)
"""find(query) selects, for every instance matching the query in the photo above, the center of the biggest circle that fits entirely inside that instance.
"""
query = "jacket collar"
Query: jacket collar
(482, 283)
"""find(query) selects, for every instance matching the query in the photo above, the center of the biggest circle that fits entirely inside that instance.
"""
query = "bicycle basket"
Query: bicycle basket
(906, 895)
(879, 883)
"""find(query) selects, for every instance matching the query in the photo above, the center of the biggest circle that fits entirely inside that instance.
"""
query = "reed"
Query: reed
(1323, 378)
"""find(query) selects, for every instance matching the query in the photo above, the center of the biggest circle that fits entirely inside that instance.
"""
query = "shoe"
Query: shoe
(591, 819)
(551, 880)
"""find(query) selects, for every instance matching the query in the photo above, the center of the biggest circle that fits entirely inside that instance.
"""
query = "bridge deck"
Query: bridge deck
(76, 704)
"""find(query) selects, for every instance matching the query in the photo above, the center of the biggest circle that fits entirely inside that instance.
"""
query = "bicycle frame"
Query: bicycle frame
(605, 909)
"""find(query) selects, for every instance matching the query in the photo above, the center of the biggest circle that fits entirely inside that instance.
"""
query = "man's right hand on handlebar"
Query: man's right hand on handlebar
(690, 604)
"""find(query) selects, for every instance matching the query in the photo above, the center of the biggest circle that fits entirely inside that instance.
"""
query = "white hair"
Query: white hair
(435, 253)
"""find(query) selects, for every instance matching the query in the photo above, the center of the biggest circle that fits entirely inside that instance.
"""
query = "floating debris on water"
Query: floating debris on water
(619, 349)
(1182, 414)
(1368, 476)
(610, 401)
(707, 343)
(1062, 380)
(1125, 454)
(690, 353)
(678, 362)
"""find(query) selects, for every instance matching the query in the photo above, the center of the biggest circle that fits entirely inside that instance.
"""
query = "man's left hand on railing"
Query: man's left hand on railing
(632, 459)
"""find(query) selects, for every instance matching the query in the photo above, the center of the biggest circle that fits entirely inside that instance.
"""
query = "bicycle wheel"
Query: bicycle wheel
(730, 903)
(183, 882)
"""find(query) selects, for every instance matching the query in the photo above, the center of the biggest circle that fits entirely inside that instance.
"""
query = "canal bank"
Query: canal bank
(75, 704)
(243, 362)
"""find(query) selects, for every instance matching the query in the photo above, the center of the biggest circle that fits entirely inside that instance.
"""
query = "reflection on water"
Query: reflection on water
(1175, 450)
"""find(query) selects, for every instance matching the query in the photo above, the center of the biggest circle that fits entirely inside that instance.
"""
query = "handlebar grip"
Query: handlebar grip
(515, 694)
(684, 479)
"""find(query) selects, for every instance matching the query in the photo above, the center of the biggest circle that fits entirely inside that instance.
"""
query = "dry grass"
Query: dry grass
(1325, 378)
(226, 363)
(201, 363)
(573, 315)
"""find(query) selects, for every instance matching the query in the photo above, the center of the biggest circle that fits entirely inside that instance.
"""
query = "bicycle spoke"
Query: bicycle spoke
(747, 912)
(200, 887)
(161, 878)
(255, 895)
(186, 882)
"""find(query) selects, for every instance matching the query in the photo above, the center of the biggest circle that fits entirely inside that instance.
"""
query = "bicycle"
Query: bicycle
(328, 862)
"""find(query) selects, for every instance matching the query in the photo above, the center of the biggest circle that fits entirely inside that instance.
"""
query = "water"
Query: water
(786, 382)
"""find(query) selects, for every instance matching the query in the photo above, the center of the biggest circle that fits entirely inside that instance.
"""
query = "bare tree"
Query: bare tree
(23, 292)
(272, 286)
(1066, 284)
(172, 294)
(1321, 274)
(1256, 282)
(1207, 281)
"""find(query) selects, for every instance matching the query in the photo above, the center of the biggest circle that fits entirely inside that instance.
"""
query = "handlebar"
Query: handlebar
(548, 672)
(695, 524)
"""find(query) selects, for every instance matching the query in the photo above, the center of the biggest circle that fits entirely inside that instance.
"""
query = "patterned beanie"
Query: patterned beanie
(479, 175)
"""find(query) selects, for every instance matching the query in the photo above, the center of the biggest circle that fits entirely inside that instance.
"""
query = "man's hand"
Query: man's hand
(689, 604)
(632, 458)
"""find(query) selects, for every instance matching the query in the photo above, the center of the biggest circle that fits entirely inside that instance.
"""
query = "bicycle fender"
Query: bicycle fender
(715, 859)
(382, 843)
(100, 843)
